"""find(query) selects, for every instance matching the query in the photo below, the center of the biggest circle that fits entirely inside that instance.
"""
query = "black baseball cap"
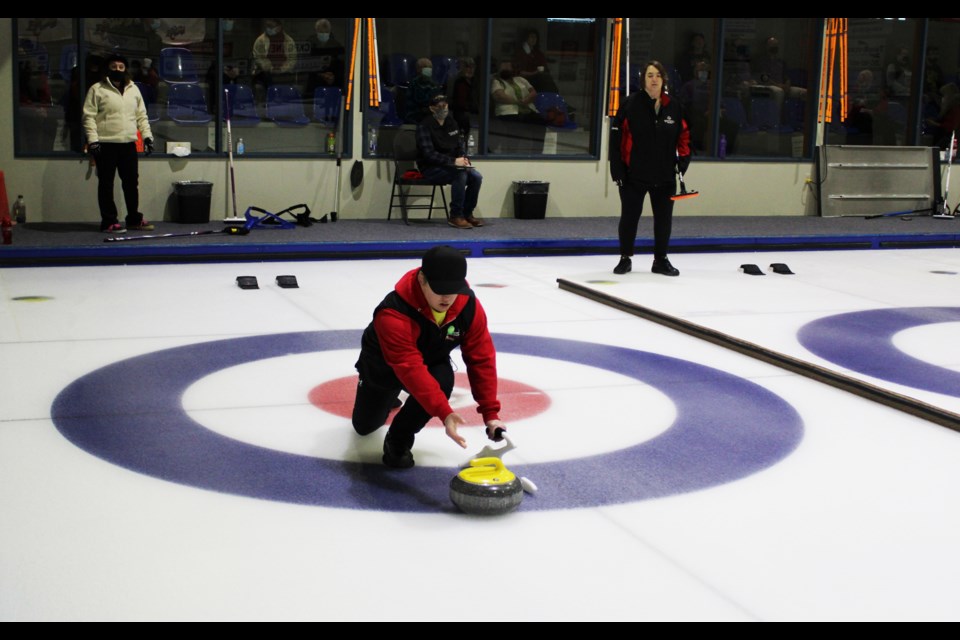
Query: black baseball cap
(445, 269)
(437, 99)
(117, 57)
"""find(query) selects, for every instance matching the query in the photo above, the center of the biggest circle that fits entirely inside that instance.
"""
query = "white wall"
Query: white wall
(65, 190)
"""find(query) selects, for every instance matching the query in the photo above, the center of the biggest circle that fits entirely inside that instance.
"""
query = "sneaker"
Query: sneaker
(459, 223)
(115, 228)
(143, 226)
(624, 266)
(474, 222)
(396, 458)
(663, 267)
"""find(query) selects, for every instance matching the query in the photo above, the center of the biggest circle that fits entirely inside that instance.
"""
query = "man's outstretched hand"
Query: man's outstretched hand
(453, 422)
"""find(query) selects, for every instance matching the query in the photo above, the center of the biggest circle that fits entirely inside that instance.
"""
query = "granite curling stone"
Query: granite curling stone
(486, 488)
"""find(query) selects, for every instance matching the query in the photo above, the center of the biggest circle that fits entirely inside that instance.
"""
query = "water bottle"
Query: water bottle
(722, 151)
(240, 148)
(331, 143)
(19, 211)
(471, 145)
(372, 140)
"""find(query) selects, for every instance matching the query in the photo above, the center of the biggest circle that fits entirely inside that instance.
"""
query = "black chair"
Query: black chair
(404, 188)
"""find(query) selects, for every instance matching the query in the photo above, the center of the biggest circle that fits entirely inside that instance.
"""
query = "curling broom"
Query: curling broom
(684, 194)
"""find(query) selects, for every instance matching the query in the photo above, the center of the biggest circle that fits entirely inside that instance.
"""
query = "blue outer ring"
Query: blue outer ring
(862, 341)
(130, 413)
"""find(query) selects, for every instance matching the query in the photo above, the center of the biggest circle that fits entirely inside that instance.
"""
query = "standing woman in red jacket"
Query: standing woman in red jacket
(649, 142)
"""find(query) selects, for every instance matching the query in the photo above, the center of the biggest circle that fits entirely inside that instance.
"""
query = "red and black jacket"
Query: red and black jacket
(646, 147)
(403, 340)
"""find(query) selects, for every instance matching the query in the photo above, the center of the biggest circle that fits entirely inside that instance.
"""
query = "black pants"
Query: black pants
(373, 405)
(631, 206)
(118, 158)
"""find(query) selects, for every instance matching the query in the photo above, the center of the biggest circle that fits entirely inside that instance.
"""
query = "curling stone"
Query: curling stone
(486, 488)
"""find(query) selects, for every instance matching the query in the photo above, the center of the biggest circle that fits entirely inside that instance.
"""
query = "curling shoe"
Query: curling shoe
(396, 457)
(624, 266)
(664, 268)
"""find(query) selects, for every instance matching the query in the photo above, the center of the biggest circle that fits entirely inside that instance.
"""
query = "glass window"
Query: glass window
(882, 75)
(168, 59)
(687, 48)
(769, 67)
(285, 79)
(543, 86)
(419, 58)
(940, 109)
(48, 91)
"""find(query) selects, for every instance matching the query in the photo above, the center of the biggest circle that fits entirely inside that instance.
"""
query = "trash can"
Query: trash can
(530, 199)
(193, 201)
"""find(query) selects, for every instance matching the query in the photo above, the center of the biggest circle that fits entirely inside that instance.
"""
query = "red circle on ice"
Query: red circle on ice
(519, 400)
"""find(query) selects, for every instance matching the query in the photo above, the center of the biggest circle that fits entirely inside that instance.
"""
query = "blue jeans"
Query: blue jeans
(464, 188)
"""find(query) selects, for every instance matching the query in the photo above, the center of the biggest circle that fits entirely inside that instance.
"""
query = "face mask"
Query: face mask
(441, 113)
(227, 25)
(427, 72)
(506, 75)
(116, 76)
(702, 76)
(272, 31)
(323, 37)
(526, 47)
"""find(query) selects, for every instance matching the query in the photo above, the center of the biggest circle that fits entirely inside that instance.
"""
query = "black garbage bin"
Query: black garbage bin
(530, 199)
(193, 201)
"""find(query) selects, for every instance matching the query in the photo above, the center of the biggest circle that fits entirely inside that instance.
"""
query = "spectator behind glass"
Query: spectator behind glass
(326, 63)
(419, 92)
(770, 73)
(736, 69)
(274, 55)
(696, 53)
(465, 100)
(694, 95)
(519, 125)
(947, 121)
(899, 76)
(530, 63)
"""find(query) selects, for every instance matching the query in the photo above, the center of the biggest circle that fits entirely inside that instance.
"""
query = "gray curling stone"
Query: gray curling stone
(486, 488)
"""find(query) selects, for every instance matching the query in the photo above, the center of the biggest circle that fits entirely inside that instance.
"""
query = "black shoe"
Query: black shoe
(396, 458)
(624, 266)
(663, 267)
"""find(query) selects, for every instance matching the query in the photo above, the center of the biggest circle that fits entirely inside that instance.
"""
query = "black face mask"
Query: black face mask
(506, 75)
(117, 76)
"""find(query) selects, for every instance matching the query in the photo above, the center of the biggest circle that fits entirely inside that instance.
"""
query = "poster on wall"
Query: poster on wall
(133, 34)
(45, 29)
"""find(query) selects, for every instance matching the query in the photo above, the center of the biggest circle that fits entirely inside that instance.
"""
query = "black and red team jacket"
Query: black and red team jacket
(403, 340)
(647, 147)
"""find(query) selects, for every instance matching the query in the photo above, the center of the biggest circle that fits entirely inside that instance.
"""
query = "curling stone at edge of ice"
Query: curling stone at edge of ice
(486, 487)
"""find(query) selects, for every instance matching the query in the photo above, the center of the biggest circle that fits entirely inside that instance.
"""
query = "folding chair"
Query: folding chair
(404, 160)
